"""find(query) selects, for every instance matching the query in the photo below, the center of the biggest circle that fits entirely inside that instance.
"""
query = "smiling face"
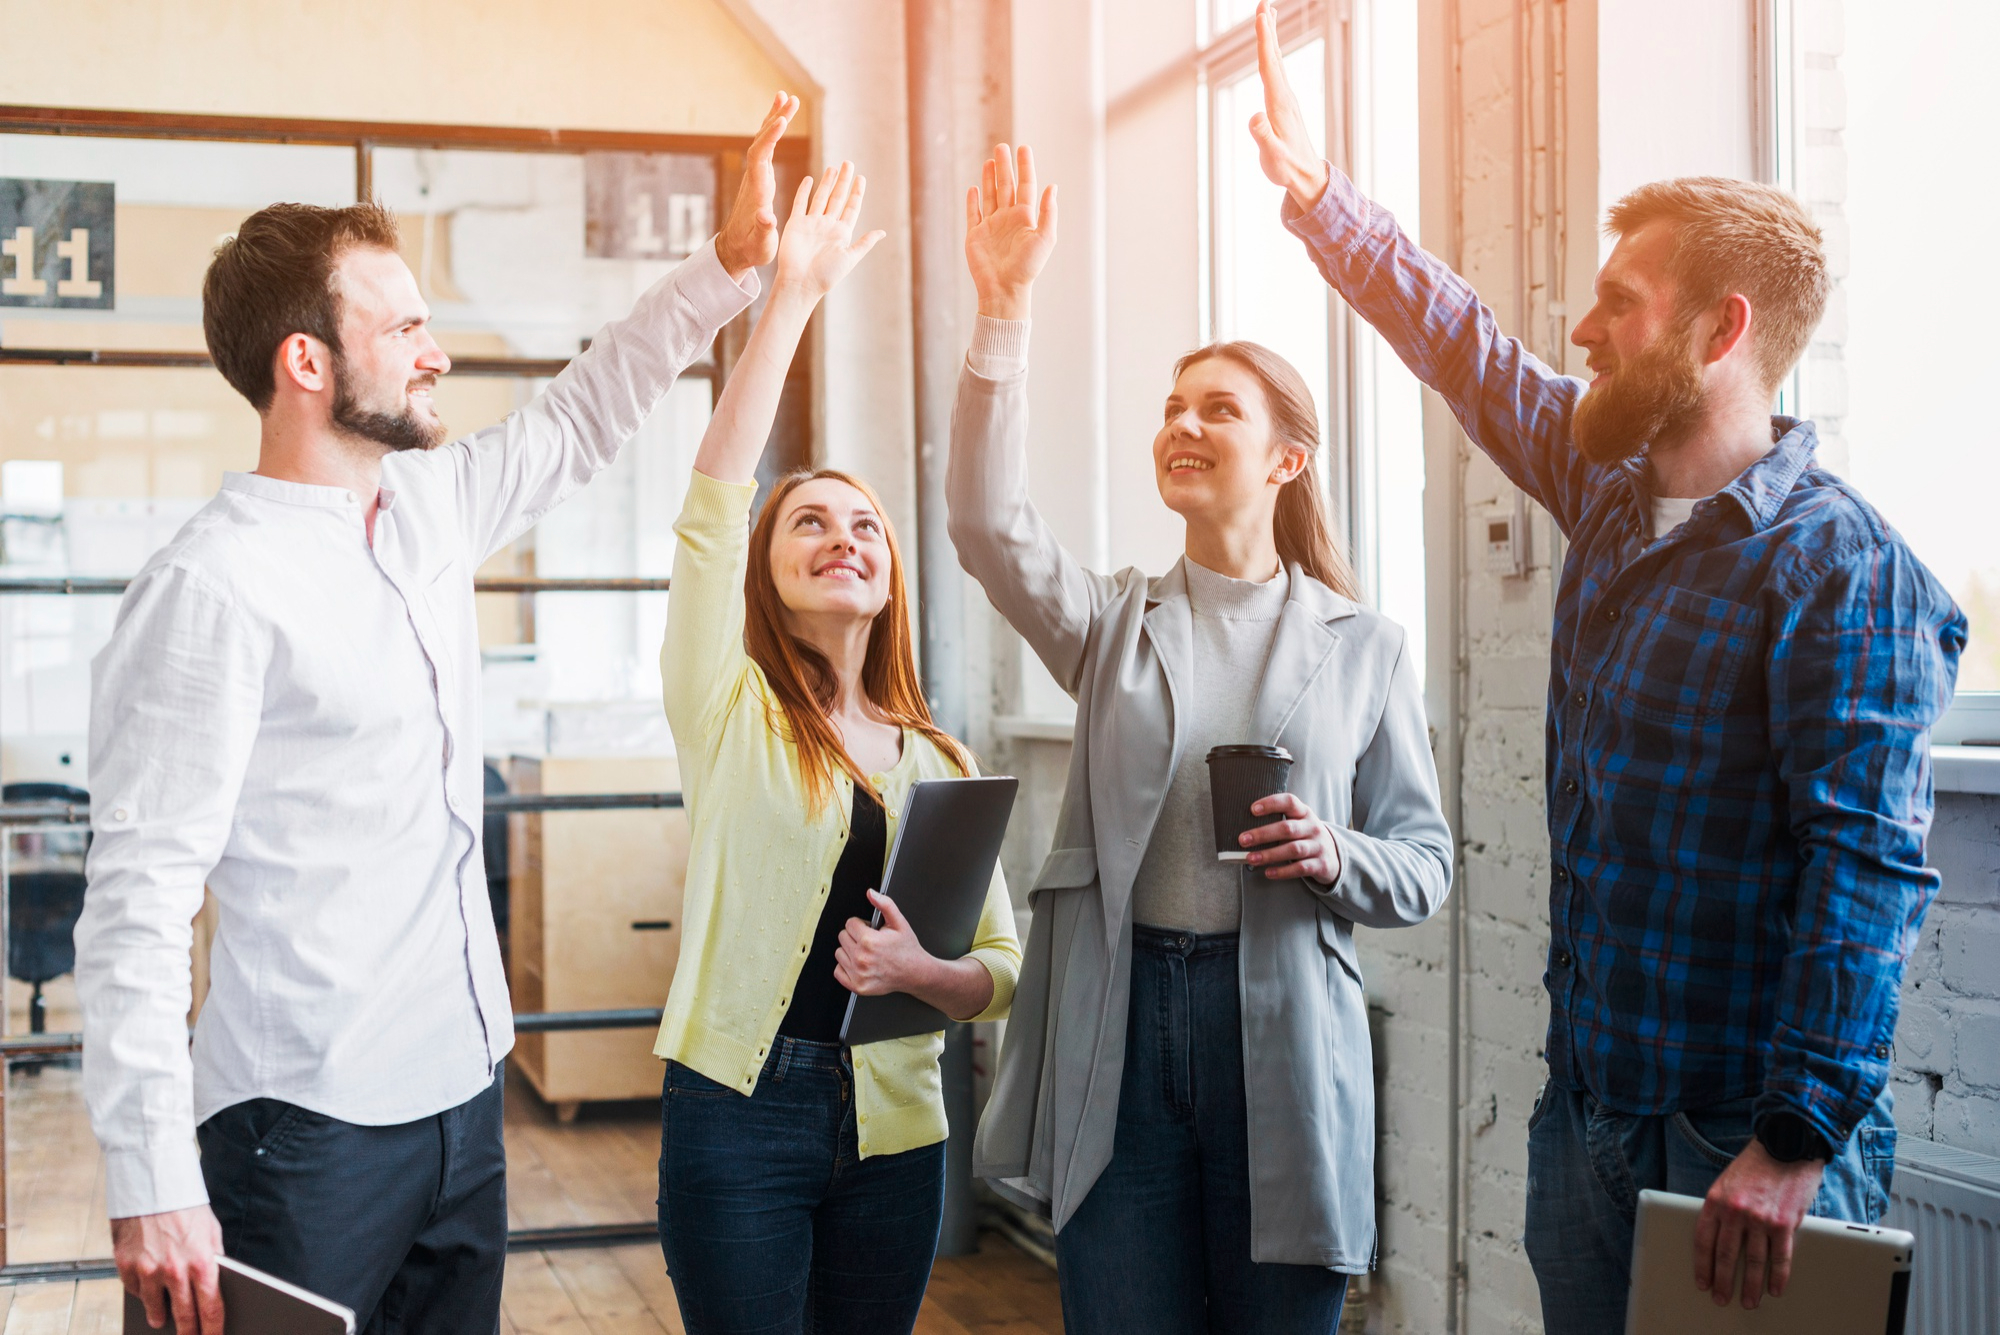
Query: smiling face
(830, 552)
(1218, 453)
(1646, 379)
(387, 363)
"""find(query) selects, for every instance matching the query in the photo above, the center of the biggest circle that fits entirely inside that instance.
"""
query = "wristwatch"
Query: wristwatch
(1789, 1138)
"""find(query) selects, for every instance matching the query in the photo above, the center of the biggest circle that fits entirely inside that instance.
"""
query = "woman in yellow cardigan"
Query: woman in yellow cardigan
(801, 1181)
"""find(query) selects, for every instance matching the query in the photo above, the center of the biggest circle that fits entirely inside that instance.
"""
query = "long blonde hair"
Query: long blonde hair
(1304, 530)
(803, 681)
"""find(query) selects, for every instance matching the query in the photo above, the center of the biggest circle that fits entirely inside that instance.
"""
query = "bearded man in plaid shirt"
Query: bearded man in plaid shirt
(1747, 663)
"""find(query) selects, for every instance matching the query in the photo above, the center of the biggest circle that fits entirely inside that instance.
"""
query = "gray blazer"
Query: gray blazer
(1340, 693)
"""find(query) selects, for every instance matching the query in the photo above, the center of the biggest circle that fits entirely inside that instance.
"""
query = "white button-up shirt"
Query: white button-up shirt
(292, 717)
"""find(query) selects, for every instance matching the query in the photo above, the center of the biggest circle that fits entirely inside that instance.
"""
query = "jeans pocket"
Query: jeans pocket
(684, 1082)
(1716, 1136)
(1541, 1108)
(1878, 1165)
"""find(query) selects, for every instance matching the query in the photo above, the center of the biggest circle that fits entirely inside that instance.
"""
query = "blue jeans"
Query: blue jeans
(1162, 1242)
(1587, 1165)
(770, 1219)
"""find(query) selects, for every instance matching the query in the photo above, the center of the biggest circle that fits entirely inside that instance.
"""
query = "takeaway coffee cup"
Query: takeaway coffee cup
(1238, 776)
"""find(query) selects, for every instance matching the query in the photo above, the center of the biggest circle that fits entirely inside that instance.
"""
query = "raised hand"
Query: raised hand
(1284, 144)
(819, 249)
(1009, 232)
(749, 237)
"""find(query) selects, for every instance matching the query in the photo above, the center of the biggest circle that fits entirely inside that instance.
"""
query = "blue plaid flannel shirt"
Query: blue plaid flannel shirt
(1739, 779)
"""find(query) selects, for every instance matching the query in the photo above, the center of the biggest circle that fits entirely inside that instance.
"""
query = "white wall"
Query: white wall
(1678, 92)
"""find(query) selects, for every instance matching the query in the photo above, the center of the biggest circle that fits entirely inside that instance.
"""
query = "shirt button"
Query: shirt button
(1562, 959)
(1610, 614)
(1579, 698)
(1561, 875)
(1569, 785)
(1882, 1050)
(120, 816)
(862, 1118)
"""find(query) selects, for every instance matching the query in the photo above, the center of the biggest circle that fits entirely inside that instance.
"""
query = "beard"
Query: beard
(399, 429)
(1655, 395)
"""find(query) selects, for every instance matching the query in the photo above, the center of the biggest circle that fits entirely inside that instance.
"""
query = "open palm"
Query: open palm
(1010, 230)
(818, 248)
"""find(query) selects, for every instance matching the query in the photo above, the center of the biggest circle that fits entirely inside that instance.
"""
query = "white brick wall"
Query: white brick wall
(1947, 1064)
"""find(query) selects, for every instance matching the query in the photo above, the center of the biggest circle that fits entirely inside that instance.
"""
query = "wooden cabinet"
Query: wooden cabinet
(595, 922)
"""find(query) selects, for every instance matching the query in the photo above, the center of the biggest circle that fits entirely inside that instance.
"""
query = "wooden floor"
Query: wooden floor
(600, 1169)
(620, 1291)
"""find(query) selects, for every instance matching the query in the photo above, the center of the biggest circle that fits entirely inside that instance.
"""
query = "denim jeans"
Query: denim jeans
(770, 1219)
(1587, 1165)
(1162, 1242)
(406, 1224)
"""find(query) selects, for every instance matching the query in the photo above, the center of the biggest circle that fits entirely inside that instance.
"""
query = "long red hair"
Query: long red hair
(802, 681)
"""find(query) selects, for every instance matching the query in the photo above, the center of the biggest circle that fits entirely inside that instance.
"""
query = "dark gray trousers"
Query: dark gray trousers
(405, 1224)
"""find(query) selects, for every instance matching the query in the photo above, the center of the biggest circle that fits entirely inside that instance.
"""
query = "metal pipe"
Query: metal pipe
(76, 813)
(71, 585)
(934, 222)
(564, 1022)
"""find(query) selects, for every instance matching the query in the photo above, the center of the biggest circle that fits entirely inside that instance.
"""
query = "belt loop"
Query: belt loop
(782, 1051)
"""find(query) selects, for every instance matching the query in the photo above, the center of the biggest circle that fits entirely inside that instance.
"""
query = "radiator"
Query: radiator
(1950, 1199)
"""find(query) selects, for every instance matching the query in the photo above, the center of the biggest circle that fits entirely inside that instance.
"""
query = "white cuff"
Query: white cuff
(999, 348)
(706, 285)
(139, 1182)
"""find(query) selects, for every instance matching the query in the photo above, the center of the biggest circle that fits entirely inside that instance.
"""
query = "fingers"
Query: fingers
(181, 1294)
(1282, 804)
(1261, 131)
(892, 917)
(154, 1295)
(851, 210)
(866, 244)
(1781, 1262)
(1024, 173)
(971, 207)
(843, 191)
(802, 198)
(1276, 832)
(1271, 58)
(1705, 1228)
(783, 107)
(1045, 223)
(208, 1297)
(1756, 1255)
(989, 186)
(829, 181)
(1728, 1246)
(1005, 193)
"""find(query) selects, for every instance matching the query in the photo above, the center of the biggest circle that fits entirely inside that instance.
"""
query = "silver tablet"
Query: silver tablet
(1847, 1279)
(946, 845)
(254, 1303)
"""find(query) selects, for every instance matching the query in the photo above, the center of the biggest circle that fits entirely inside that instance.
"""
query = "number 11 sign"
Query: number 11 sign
(57, 243)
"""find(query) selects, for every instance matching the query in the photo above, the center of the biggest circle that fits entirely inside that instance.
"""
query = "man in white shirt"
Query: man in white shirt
(288, 712)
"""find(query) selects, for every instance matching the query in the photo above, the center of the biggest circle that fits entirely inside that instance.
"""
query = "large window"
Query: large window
(523, 252)
(1261, 286)
(1900, 183)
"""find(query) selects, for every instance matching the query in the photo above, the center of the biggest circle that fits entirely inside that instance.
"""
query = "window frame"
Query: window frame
(1222, 58)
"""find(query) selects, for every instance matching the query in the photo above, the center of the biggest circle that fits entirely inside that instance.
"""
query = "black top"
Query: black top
(819, 1003)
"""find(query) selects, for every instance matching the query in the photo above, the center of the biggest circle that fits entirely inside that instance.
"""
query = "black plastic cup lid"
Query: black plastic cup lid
(1249, 752)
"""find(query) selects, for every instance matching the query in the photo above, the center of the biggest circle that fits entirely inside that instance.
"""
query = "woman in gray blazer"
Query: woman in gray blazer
(1186, 1085)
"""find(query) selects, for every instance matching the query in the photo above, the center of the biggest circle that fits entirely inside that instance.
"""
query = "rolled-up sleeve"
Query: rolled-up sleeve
(1862, 667)
(998, 947)
(176, 698)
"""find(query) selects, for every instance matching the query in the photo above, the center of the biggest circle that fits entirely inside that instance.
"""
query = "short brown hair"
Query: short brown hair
(273, 279)
(1733, 237)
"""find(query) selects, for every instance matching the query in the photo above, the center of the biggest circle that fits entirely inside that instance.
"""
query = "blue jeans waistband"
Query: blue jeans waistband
(788, 1053)
(1176, 941)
